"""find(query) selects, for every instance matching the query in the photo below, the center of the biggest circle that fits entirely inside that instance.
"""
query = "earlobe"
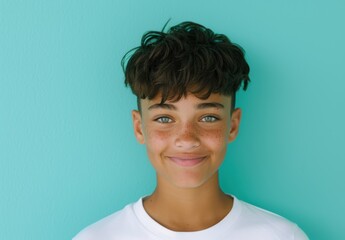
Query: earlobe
(235, 123)
(137, 125)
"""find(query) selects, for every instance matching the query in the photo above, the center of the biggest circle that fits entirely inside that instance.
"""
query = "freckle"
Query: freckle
(218, 135)
(162, 136)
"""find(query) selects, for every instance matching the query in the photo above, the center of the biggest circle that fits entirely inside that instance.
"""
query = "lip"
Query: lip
(187, 161)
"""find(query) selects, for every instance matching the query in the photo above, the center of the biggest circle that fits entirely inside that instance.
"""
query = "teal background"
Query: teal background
(68, 155)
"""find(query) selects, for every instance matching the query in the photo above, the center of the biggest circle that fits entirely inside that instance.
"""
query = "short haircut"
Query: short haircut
(188, 58)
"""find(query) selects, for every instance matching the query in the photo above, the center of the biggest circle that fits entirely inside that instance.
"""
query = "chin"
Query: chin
(190, 183)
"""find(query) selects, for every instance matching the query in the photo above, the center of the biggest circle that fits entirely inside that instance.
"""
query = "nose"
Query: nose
(187, 137)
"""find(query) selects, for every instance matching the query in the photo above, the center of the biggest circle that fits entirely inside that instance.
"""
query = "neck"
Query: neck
(188, 209)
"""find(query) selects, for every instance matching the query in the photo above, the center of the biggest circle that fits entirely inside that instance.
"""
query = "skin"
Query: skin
(186, 142)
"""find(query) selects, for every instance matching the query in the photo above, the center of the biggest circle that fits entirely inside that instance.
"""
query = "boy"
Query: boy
(185, 81)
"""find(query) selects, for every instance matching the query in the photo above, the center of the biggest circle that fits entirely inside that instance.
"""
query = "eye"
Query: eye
(163, 120)
(209, 119)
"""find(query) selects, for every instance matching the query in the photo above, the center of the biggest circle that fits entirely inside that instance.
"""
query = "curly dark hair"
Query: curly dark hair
(188, 58)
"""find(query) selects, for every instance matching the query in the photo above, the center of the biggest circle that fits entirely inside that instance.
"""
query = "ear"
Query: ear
(137, 125)
(235, 123)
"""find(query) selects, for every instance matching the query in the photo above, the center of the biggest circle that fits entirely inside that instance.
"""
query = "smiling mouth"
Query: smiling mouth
(187, 161)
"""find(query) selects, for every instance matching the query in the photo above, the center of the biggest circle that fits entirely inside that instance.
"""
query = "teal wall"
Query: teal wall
(68, 156)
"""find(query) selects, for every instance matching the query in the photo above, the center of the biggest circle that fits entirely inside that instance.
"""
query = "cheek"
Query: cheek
(215, 140)
(216, 136)
(156, 137)
(156, 143)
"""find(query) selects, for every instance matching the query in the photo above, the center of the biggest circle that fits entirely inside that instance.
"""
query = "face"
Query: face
(186, 141)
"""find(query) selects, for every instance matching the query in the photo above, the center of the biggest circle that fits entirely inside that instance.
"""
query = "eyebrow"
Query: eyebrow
(210, 105)
(199, 106)
(162, 106)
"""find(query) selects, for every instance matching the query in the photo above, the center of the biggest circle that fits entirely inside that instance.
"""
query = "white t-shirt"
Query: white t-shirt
(243, 222)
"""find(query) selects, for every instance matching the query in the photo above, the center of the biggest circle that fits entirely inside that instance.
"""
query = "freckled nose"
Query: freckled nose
(187, 137)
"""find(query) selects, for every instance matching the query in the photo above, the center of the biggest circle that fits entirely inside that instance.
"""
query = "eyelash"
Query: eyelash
(159, 119)
(169, 120)
(210, 116)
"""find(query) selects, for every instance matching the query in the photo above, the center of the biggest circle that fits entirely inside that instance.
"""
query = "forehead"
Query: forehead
(190, 100)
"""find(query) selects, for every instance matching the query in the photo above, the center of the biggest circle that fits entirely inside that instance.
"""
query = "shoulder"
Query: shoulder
(119, 223)
(261, 220)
